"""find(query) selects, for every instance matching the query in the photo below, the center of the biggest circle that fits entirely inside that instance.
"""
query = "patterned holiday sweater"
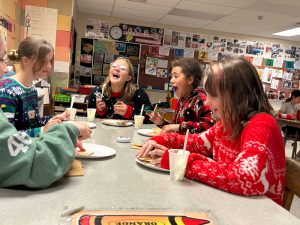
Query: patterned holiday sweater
(254, 164)
(20, 105)
(134, 106)
(191, 113)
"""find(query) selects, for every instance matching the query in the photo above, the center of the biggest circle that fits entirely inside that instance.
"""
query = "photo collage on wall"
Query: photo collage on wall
(97, 55)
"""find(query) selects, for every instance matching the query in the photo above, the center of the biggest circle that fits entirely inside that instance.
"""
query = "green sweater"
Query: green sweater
(35, 162)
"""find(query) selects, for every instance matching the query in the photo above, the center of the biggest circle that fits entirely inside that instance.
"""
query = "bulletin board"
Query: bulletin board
(159, 75)
(96, 56)
(285, 77)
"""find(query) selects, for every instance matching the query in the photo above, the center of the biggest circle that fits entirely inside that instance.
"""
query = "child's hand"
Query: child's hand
(170, 128)
(120, 108)
(150, 148)
(100, 104)
(156, 118)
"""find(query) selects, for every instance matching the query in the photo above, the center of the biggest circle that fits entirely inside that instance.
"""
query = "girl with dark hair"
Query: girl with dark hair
(243, 153)
(290, 105)
(18, 96)
(191, 112)
(119, 97)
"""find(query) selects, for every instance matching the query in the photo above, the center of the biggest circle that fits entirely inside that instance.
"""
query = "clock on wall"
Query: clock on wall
(115, 32)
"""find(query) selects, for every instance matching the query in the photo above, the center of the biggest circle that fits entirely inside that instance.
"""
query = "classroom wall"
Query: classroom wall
(155, 96)
(81, 18)
(14, 12)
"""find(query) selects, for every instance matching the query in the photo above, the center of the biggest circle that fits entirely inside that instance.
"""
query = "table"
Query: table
(294, 124)
(119, 183)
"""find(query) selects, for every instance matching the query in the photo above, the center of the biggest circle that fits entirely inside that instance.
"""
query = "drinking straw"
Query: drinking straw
(142, 109)
(185, 140)
(155, 108)
(103, 86)
(72, 101)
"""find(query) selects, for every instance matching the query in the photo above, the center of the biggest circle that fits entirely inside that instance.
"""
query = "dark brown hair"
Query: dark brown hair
(237, 84)
(32, 48)
(191, 68)
(129, 89)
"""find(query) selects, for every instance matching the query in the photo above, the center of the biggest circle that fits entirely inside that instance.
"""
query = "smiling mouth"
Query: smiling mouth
(116, 75)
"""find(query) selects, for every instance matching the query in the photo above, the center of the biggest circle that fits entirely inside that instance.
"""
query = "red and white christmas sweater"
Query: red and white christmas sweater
(254, 164)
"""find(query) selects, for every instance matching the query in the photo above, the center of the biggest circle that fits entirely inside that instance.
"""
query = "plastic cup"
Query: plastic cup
(177, 160)
(91, 113)
(72, 113)
(138, 121)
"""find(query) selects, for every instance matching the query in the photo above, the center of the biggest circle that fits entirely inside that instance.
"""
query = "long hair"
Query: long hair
(129, 89)
(237, 84)
(294, 94)
(190, 68)
(33, 48)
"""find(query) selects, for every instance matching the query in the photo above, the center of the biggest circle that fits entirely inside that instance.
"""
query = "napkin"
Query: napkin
(75, 170)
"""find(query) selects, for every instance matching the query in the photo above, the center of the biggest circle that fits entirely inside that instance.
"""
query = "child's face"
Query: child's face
(119, 72)
(180, 83)
(43, 73)
(215, 104)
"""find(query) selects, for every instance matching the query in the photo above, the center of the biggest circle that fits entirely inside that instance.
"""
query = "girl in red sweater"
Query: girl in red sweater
(243, 153)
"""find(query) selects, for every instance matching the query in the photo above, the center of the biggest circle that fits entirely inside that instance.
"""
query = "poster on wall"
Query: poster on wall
(97, 29)
(41, 21)
(141, 34)
(86, 52)
(151, 66)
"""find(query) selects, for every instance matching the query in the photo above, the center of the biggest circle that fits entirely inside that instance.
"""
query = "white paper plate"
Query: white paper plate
(118, 123)
(90, 124)
(99, 151)
(150, 166)
(146, 132)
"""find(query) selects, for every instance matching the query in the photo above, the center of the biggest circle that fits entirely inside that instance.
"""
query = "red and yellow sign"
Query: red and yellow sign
(139, 218)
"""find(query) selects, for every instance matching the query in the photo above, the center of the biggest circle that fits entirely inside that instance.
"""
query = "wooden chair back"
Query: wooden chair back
(292, 182)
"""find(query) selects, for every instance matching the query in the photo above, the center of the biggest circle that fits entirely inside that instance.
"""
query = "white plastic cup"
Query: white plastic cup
(138, 121)
(91, 113)
(72, 113)
(177, 160)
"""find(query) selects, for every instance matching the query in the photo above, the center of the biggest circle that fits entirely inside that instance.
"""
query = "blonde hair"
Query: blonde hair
(32, 48)
(129, 89)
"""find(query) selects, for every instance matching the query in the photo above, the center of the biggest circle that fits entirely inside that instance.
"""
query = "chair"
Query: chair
(292, 133)
(292, 182)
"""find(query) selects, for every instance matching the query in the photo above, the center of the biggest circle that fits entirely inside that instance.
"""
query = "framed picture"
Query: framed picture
(109, 58)
(120, 47)
(132, 50)
(106, 68)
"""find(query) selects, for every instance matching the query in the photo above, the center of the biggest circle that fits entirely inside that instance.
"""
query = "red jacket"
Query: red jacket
(254, 164)
(192, 113)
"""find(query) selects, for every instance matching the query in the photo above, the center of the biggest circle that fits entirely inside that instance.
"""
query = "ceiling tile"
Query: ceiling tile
(98, 2)
(204, 7)
(137, 13)
(275, 8)
(133, 17)
(141, 6)
(195, 14)
(178, 19)
(231, 3)
(168, 3)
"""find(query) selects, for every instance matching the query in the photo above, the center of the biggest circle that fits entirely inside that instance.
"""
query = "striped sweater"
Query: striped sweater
(20, 105)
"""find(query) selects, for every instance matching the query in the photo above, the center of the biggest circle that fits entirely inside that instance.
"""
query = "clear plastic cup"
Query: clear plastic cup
(138, 121)
(91, 113)
(72, 113)
(177, 160)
